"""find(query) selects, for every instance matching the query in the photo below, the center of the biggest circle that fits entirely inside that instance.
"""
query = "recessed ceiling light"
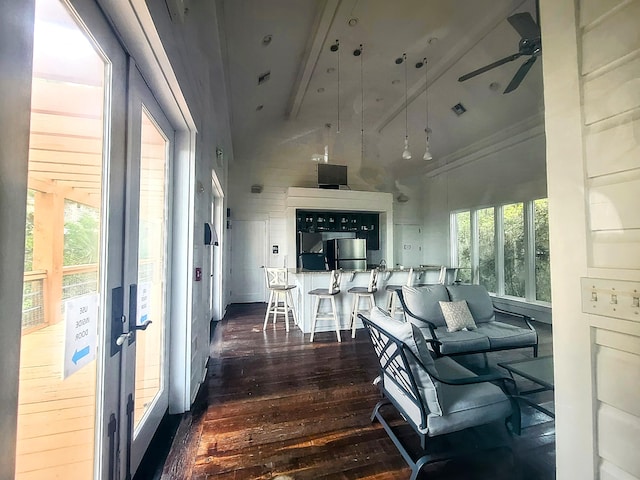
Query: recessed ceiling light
(395, 82)
(494, 86)
(259, 107)
(379, 99)
(266, 40)
(331, 70)
(320, 90)
(433, 40)
(352, 22)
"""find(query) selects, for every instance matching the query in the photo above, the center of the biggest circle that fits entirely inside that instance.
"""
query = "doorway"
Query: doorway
(93, 380)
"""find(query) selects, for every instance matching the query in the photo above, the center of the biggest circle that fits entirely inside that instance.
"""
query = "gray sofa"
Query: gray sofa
(422, 308)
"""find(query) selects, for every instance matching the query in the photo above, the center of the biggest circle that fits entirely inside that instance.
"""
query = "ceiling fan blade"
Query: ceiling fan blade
(525, 25)
(486, 68)
(520, 74)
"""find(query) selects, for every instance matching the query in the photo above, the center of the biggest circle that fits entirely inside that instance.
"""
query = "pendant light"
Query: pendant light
(358, 53)
(406, 153)
(427, 153)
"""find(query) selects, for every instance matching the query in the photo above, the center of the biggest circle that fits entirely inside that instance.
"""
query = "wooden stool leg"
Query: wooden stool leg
(315, 318)
(335, 317)
(390, 302)
(293, 310)
(285, 305)
(354, 310)
(266, 315)
(354, 314)
(275, 306)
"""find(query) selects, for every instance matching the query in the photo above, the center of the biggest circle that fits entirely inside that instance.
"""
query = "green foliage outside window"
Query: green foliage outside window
(514, 250)
(81, 234)
(487, 251)
(463, 230)
(542, 261)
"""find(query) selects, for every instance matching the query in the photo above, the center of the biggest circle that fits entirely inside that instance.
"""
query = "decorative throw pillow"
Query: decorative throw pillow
(457, 316)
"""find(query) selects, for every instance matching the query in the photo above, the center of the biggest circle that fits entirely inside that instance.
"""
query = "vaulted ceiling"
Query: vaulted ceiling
(310, 96)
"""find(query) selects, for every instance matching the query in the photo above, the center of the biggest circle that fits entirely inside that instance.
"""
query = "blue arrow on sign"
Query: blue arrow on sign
(80, 354)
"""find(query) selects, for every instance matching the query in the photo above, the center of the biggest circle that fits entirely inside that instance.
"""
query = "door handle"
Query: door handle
(123, 338)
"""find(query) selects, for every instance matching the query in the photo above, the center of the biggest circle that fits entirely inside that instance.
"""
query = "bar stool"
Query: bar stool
(363, 292)
(448, 275)
(392, 303)
(279, 290)
(327, 294)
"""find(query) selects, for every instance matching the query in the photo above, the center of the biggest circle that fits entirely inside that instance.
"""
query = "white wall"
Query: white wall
(591, 74)
(16, 50)
(194, 50)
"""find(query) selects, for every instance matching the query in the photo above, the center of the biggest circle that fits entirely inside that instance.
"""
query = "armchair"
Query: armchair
(435, 397)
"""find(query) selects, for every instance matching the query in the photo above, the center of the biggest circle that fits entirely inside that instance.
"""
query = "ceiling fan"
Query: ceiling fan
(530, 44)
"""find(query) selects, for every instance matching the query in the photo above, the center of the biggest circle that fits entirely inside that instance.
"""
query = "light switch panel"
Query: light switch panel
(611, 298)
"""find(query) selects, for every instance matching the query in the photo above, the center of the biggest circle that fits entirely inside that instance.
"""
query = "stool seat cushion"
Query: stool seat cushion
(282, 287)
(361, 290)
(392, 288)
(322, 291)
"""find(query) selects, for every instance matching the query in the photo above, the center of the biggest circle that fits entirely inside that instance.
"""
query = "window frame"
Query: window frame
(529, 248)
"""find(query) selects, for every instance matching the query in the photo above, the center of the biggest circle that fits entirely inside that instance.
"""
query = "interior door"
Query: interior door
(247, 256)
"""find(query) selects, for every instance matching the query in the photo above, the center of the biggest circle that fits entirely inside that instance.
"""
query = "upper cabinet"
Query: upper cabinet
(363, 224)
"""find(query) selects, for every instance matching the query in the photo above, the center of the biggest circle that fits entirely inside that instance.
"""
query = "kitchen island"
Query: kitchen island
(307, 280)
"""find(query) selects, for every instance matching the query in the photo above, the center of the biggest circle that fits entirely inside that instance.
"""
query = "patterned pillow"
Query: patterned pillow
(457, 316)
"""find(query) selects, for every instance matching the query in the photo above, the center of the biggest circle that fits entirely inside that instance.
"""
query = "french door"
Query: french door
(93, 367)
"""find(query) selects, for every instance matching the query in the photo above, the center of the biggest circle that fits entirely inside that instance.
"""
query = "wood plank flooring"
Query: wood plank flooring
(276, 406)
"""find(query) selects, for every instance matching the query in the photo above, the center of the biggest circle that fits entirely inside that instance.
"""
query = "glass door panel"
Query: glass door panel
(145, 366)
(152, 247)
(64, 268)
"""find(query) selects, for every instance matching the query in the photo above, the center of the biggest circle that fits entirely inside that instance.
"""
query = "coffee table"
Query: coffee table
(539, 371)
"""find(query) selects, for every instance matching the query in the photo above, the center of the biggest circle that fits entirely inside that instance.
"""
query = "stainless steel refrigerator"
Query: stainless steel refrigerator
(346, 253)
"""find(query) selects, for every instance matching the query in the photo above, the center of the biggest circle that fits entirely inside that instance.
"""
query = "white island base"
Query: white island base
(309, 280)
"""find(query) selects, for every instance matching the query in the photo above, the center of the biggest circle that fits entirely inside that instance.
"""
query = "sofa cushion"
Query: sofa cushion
(502, 335)
(477, 298)
(423, 302)
(411, 336)
(465, 406)
(457, 316)
(459, 342)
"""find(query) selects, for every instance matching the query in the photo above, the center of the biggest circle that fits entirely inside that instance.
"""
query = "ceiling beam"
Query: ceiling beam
(323, 23)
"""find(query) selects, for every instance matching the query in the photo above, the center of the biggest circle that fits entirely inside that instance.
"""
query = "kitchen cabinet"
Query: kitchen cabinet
(364, 224)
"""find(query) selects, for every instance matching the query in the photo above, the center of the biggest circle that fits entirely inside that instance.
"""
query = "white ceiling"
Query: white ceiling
(301, 95)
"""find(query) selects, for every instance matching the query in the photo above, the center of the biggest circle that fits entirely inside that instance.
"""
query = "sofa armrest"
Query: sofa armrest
(526, 318)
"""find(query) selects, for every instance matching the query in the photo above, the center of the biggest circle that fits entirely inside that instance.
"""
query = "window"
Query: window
(541, 246)
(487, 249)
(505, 248)
(462, 226)
(514, 246)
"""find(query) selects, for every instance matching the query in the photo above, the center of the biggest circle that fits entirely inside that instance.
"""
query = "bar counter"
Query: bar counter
(307, 280)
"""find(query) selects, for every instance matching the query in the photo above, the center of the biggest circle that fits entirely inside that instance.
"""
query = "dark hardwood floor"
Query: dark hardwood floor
(276, 406)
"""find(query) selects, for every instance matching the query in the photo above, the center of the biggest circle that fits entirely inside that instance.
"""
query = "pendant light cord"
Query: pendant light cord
(406, 115)
(338, 123)
(361, 106)
(426, 100)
